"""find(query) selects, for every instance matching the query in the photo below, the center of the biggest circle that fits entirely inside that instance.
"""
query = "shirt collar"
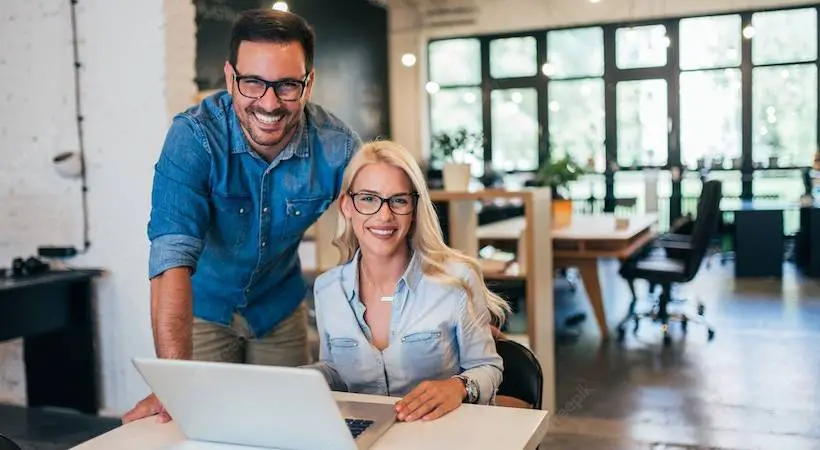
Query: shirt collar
(350, 275)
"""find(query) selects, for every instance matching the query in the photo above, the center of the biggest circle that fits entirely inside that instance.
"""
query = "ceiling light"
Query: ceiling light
(280, 6)
(431, 87)
(748, 32)
(408, 60)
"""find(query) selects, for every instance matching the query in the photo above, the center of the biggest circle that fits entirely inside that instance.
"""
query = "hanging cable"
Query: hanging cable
(80, 142)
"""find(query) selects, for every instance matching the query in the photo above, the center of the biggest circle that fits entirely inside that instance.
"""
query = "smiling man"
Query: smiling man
(240, 178)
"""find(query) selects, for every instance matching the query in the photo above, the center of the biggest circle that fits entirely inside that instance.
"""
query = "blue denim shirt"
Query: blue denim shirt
(220, 209)
(435, 333)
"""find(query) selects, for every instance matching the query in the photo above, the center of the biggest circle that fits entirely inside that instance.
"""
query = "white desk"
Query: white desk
(471, 427)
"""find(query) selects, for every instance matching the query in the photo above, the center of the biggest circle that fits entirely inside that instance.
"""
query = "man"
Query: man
(240, 178)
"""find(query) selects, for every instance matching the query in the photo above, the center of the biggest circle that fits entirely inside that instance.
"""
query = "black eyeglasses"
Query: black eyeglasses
(285, 90)
(368, 204)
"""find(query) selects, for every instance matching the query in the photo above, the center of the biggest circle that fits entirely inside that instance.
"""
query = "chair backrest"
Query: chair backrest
(523, 378)
(705, 226)
(7, 444)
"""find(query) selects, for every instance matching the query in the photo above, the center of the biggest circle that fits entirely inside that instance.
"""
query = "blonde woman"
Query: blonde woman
(404, 315)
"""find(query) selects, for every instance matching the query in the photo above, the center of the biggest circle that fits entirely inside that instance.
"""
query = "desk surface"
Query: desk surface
(582, 227)
(54, 276)
(468, 427)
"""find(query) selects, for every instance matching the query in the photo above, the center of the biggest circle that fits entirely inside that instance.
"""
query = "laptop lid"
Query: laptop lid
(244, 404)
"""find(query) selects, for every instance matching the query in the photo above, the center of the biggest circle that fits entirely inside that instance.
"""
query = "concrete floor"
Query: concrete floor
(754, 387)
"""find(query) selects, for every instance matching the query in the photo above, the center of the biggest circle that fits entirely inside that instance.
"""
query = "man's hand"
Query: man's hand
(149, 406)
(431, 400)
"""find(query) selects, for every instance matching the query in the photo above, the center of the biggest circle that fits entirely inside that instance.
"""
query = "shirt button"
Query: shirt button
(241, 210)
(297, 213)
(264, 243)
(265, 209)
(247, 291)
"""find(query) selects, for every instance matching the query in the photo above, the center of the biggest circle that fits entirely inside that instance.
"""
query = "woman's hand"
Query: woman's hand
(431, 400)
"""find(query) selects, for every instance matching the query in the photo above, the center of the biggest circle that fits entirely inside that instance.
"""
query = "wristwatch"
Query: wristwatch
(471, 387)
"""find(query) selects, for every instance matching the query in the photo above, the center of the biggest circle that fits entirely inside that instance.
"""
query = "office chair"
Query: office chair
(523, 379)
(7, 444)
(673, 258)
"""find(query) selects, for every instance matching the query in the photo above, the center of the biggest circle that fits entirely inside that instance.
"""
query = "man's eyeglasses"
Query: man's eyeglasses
(285, 90)
(368, 204)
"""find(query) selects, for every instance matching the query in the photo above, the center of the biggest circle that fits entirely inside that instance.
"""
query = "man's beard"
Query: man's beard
(265, 139)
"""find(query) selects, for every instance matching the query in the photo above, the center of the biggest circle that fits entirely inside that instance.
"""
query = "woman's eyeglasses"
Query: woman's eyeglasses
(368, 203)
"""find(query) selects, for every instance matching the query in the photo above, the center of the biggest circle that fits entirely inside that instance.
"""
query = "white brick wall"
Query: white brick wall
(138, 69)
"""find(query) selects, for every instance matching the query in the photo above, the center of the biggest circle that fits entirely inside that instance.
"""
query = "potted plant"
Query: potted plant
(454, 149)
(557, 174)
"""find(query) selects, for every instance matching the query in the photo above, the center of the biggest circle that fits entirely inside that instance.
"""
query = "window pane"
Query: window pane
(641, 47)
(575, 53)
(632, 185)
(454, 108)
(784, 115)
(784, 36)
(783, 185)
(455, 61)
(513, 57)
(708, 42)
(642, 123)
(576, 120)
(515, 129)
(710, 116)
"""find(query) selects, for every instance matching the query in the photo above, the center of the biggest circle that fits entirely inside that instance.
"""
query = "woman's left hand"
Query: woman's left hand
(431, 400)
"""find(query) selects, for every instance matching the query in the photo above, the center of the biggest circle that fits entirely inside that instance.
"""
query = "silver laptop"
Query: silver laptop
(260, 406)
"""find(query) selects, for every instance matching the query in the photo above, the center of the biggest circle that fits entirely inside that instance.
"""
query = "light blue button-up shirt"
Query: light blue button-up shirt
(435, 333)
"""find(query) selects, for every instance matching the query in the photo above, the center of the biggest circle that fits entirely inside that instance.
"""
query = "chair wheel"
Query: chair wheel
(710, 335)
(667, 340)
(701, 309)
(684, 325)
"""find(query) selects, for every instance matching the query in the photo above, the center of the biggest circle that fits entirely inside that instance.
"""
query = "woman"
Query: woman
(404, 314)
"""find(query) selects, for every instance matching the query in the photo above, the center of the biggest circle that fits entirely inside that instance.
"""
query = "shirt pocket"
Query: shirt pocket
(345, 355)
(231, 219)
(424, 353)
(301, 213)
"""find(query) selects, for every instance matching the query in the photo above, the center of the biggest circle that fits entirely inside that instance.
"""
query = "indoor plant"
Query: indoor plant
(557, 174)
(454, 150)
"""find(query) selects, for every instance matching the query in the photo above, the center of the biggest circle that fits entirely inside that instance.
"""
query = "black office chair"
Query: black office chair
(7, 444)
(673, 258)
(523, 379)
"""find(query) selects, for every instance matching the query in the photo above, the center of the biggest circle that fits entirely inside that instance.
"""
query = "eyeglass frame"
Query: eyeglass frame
(382, 201)
(270, 85)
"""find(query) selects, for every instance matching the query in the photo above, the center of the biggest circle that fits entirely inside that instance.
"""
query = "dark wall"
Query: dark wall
(351, 55)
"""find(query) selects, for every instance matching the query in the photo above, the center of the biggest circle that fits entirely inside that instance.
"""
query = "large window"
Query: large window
(455, 92)
(575, 106)
(735, 93)
(784, 114)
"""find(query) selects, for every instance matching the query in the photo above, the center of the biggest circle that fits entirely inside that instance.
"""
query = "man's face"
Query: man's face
(269, 121)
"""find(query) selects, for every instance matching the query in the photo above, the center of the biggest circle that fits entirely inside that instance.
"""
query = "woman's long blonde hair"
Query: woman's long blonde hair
(425, 235)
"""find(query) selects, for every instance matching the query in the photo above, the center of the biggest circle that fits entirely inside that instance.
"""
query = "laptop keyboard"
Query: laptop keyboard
(357, 426)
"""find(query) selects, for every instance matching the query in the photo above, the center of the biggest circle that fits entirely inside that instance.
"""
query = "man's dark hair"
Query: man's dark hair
(270, 25)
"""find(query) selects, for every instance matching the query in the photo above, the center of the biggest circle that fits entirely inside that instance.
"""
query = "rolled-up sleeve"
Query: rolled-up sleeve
(479, 359)
(179, 199)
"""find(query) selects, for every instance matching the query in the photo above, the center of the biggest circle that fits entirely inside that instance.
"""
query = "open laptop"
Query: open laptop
(260, 406)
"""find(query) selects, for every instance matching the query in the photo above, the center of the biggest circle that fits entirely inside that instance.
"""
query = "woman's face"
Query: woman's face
(381, 209)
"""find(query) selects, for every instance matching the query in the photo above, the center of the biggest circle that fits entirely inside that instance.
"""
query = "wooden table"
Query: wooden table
(581, 244)
(473, 427)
